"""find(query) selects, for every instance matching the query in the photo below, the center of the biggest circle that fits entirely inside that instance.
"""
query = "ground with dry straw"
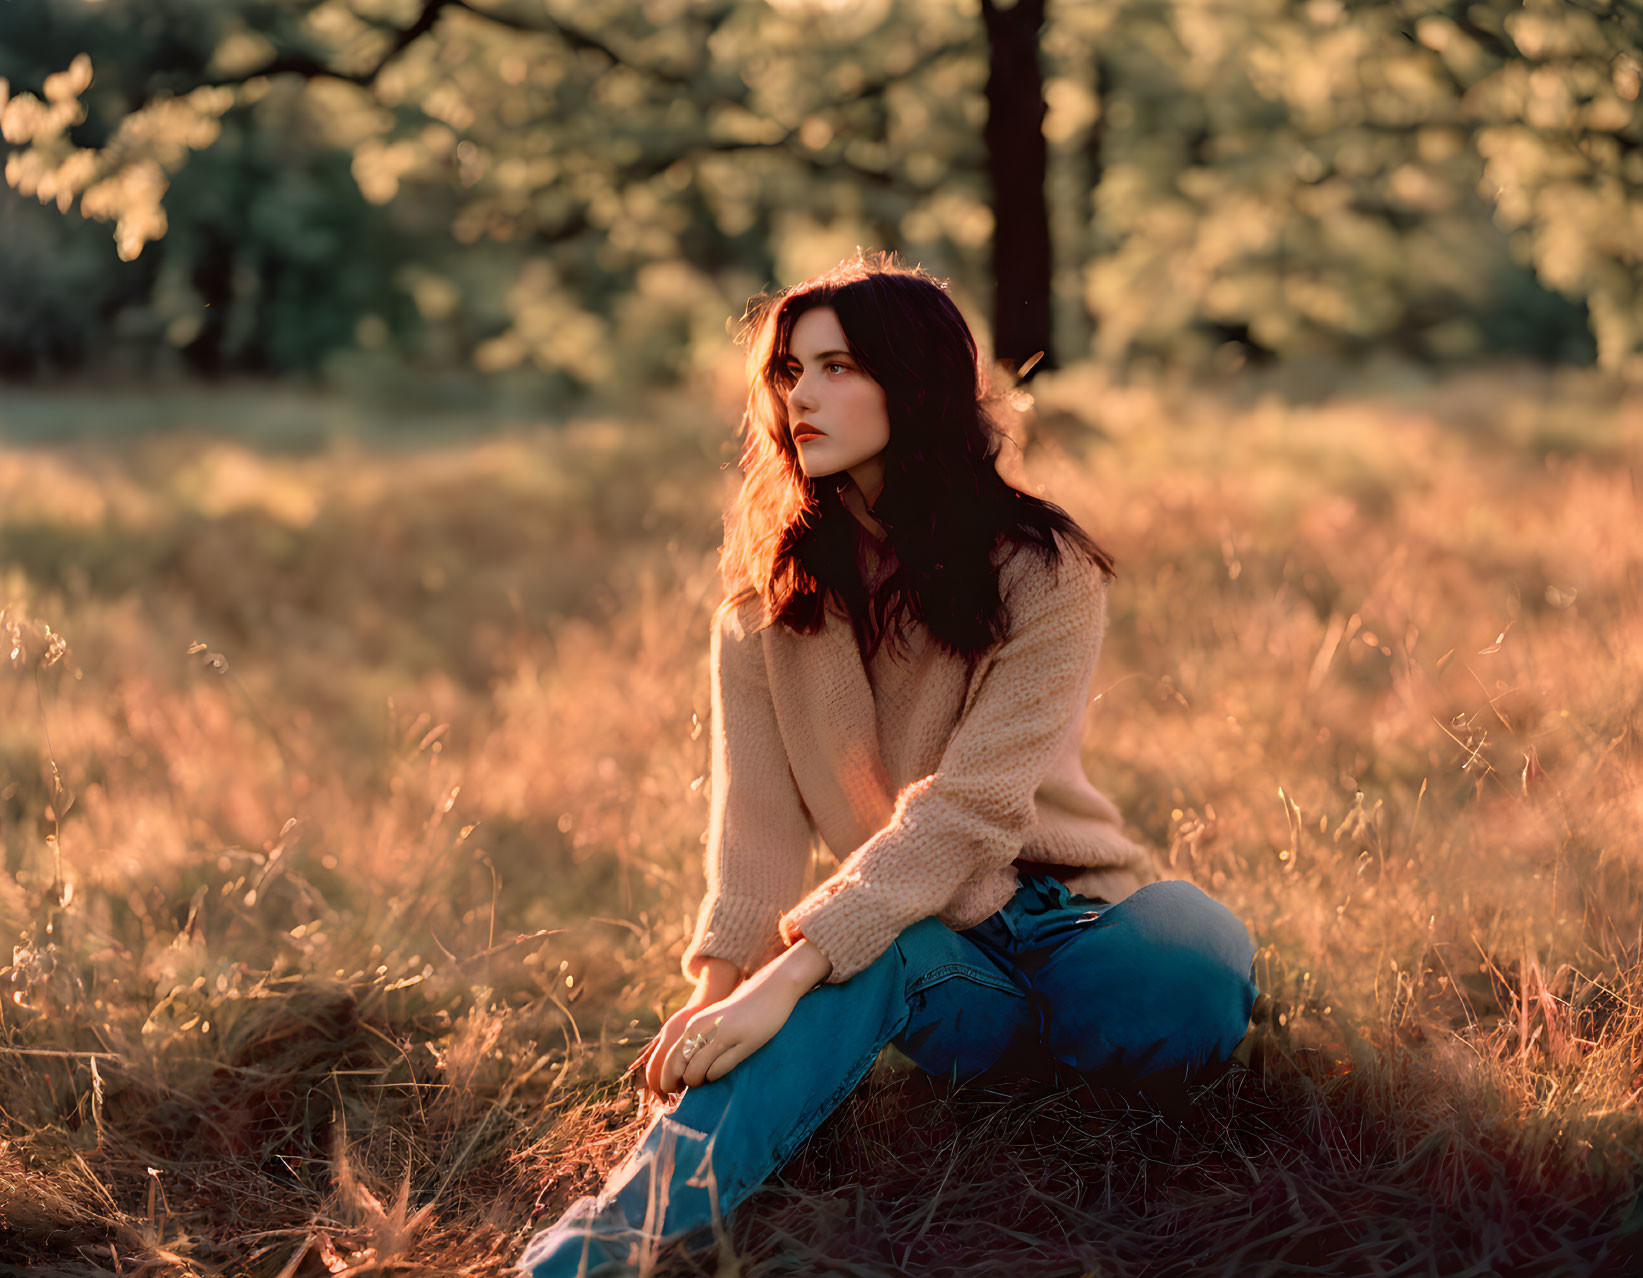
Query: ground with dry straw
(353, 788)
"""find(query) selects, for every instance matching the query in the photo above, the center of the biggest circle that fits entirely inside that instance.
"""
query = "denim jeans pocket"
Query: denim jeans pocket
(964, 1006)
(932, 952)
(972, 973)
(963, 1018)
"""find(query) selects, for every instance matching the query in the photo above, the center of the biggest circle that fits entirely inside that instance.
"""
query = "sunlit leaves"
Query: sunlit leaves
(1326, 148)
(123, 181)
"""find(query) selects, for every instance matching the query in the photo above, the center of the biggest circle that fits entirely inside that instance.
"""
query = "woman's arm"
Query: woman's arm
(801, 967)
(759, 832)
(718, 977)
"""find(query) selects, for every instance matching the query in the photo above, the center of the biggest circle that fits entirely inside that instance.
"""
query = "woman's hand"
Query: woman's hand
(733, 1029)
(717, 979)
(746, 1017)
(745, 1020)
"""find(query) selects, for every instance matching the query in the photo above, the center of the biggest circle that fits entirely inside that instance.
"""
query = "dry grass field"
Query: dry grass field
(353, 790)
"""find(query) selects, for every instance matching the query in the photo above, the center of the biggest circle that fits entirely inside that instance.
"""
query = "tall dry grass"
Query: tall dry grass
(352, 801)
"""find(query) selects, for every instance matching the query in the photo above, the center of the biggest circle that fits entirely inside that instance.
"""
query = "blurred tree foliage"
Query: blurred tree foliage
(584, 192)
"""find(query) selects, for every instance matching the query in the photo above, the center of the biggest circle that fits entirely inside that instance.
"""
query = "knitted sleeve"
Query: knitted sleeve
(759, 833)
(976, 808)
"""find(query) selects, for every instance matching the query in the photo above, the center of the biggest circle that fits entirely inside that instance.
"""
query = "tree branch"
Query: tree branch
(576, 39)
(826, 166)
(311, 68)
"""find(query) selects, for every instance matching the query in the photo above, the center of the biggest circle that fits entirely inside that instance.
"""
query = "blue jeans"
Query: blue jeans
(1053, 983)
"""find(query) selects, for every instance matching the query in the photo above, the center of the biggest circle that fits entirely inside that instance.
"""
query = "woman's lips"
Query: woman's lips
(806, 434)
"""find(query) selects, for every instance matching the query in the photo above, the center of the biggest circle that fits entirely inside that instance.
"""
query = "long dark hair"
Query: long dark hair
(793, 542)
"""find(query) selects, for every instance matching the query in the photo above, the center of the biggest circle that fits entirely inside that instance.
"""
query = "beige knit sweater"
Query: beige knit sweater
(926, 781)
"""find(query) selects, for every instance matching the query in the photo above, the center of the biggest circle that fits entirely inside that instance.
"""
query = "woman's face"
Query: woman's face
(836, 412)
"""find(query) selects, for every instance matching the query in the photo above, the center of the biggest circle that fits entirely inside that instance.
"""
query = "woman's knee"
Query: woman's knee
(1175, 916)
(1171, 977)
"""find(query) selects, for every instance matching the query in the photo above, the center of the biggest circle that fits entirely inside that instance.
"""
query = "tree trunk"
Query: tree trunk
(1017, 159)
(1095, 167)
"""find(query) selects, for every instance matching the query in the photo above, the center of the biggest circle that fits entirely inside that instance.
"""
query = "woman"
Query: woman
(903, 667)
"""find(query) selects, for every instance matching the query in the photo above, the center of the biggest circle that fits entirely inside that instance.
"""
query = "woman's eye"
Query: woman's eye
(846, 367)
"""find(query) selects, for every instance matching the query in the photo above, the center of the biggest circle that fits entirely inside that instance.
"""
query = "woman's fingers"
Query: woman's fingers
(726, 1061)
(679, 1074)
(658, 1063)
(650, 1069)
(717, 1039)
(722, 1049)
(695, 1073)
(672, 1030)
(668, 1068)
(653, 1059)
(670, 1077)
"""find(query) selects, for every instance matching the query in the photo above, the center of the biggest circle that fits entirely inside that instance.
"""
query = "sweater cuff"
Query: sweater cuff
(844, 922)
(739, 928)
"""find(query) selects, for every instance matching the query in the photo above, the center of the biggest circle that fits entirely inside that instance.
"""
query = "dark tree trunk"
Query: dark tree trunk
(1095, 167)
(1017, 159)
(213, 280)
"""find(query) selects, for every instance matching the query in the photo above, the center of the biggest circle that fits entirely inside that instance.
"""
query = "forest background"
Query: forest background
(557, 200)
(367, 408)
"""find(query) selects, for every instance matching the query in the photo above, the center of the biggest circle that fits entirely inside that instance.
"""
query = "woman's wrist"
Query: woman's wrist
(800, 967)
(716, 979)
